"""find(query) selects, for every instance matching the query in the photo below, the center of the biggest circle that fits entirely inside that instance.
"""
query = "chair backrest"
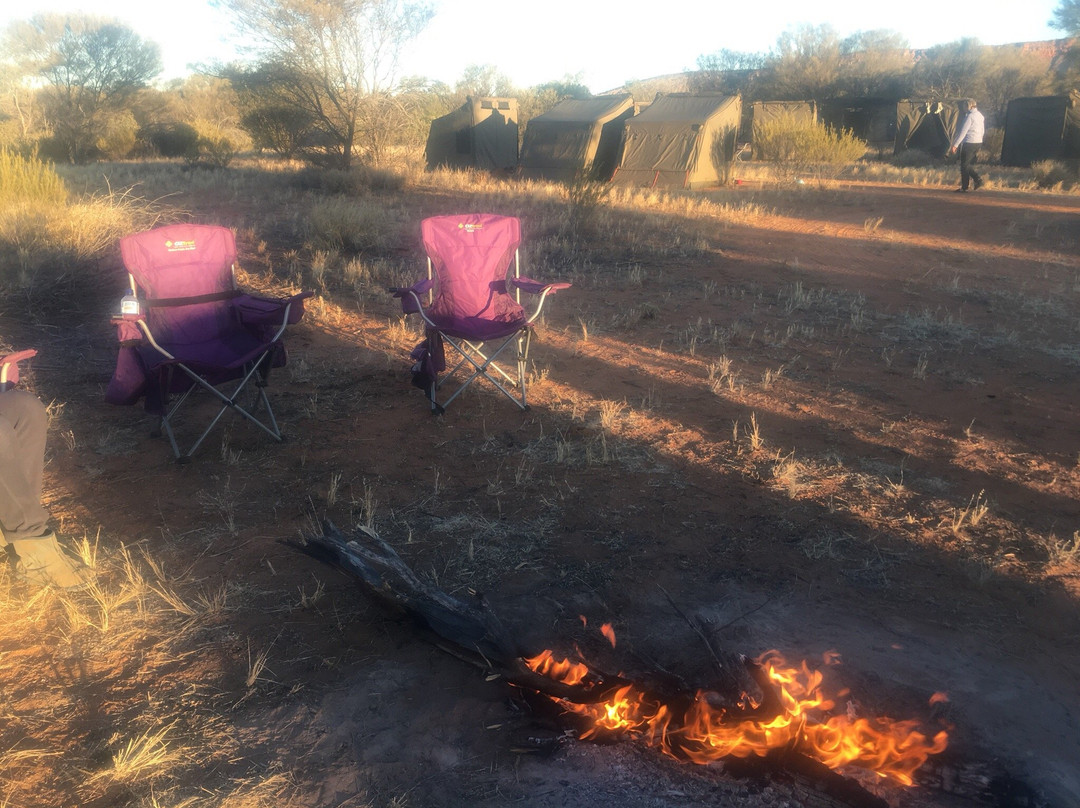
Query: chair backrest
(185, 274)
(470, 255)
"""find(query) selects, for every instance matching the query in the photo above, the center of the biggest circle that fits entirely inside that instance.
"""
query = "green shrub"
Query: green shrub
(991, 147)
(170, 139)
(799, 148)
(118, 136)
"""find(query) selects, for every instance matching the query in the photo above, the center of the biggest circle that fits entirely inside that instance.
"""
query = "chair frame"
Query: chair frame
(269, 426)
(472, 352)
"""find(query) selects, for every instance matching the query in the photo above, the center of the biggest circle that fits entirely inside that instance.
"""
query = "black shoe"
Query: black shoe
(960, 191)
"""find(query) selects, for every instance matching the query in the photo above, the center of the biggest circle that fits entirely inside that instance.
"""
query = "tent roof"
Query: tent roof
(685, 107)
(599, 109)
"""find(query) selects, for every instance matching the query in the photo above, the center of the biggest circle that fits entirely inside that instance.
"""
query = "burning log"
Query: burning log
(760, 713)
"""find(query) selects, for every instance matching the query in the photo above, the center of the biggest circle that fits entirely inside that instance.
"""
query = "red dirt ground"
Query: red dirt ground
(909, 356)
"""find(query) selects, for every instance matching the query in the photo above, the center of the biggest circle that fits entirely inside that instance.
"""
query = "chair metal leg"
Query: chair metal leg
(481, 369)
(270, 427)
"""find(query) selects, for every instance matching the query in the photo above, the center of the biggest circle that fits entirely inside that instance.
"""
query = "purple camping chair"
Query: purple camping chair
(471, 301)
(184, 326)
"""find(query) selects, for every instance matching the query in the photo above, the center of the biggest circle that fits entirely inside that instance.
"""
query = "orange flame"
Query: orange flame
(608, 632)
(706, 733)
(571, 673)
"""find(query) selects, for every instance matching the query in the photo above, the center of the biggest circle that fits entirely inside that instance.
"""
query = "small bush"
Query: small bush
(351, 182)
(118, 136)
(991, 145)
(914, 158)
(218, 145)
(799, 148)
(350, 225)
(171, 139)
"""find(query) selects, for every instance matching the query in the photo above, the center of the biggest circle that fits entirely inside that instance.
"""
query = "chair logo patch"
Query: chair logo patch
(470, 227)
(180, 246)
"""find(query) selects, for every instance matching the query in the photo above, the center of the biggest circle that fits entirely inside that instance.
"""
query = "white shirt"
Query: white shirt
(971, 130)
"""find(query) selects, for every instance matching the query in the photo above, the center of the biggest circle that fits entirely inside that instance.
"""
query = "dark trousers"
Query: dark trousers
(23, 425)
(969, 153)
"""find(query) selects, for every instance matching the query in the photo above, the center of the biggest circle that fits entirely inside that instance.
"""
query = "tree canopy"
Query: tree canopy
(334, 62)
(91, 67)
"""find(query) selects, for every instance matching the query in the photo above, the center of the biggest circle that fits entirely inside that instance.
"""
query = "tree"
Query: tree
(483, 80)
(1011, 73)
(91, 67)
(953, 70)
(876, 63)
(335, 63)
(728, 71)
(806, 63)
(1067, 17)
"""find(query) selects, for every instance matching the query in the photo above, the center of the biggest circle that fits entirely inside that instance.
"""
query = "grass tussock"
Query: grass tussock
(1056, 174)
(350, 225)
(47, 233)
(166, 715)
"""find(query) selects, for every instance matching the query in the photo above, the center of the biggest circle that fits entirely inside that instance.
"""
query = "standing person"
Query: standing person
(968, 139)
(24, 534)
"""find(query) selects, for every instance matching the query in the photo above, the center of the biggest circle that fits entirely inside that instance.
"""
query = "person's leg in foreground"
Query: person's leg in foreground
(23, 521)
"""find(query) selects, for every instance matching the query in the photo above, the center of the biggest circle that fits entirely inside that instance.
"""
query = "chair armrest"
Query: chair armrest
(254, 310)
(9, 367)
(410, 295)
(537, 288)
(128, 330)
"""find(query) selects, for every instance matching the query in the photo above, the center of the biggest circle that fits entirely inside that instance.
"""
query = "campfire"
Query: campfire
(761, 709)
(792, 712)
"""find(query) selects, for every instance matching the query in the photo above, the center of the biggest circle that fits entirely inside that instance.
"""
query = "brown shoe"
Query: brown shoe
(41, 562)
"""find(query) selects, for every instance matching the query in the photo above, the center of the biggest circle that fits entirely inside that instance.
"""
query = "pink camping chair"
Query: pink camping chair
(184, 326)
(471, 301)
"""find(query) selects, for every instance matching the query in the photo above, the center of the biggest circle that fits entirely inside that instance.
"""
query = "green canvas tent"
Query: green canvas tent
(1045, 127)
(481, 133)
(681, 140)
(928, 126)
(576, 137)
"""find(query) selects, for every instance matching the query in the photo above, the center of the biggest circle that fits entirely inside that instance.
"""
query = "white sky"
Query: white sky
(608, 43)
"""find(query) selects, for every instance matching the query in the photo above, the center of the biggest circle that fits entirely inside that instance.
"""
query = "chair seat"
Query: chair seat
(478, 329)
(229, 351)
